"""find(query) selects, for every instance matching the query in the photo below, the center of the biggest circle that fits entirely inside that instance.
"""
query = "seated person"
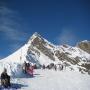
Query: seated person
(5, 79)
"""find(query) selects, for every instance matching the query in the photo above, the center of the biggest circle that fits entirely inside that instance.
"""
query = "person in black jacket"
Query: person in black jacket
(43, 66)
(5, 79)
(24, 67)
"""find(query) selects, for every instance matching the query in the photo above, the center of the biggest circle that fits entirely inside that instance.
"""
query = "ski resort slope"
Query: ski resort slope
(55, 80)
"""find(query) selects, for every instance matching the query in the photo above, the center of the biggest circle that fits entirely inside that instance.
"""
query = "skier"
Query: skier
(5, 79)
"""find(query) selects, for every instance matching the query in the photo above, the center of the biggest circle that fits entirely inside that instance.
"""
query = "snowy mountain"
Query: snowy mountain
(39, 51)
(84, 45)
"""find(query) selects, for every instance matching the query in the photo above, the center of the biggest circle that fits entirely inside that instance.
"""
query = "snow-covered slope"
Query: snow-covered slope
(54, 80)
(39, 51)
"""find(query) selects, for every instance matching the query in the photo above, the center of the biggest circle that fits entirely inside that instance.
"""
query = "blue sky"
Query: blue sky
(59, 21)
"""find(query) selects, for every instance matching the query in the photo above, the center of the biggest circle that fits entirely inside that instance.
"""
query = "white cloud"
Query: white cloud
(67, 37)
(11, 28)
(10, 25)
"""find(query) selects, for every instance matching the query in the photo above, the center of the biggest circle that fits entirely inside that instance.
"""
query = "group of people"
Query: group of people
(28, 68)
(53, 66)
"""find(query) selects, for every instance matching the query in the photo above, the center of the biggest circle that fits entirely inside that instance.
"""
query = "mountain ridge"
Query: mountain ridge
(40, 51)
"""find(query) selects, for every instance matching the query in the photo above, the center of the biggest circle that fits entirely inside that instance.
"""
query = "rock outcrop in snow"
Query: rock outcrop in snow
(84, 45)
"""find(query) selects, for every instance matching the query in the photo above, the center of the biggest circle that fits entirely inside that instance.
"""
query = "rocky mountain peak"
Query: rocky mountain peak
(34, 36)
(84, 45)
(42, 45)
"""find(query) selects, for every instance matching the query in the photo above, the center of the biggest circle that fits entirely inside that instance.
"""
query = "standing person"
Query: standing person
(43, 66)
(35, 66)
(5, 79)
(24, 67)
(30, 70)
(55, 67)
(28, 65)
(61, 67)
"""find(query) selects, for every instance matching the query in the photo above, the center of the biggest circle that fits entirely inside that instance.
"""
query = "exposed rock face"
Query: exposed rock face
(49, 50)
(64, 53)
(84, 45)
(40, 44)
(64, 56)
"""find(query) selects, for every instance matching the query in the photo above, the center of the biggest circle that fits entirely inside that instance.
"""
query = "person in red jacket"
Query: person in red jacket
(30, 70)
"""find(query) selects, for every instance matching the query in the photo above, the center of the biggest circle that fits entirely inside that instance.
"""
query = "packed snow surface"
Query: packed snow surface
(53, 80)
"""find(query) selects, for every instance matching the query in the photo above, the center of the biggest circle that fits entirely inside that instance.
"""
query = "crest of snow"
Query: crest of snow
(85, 41)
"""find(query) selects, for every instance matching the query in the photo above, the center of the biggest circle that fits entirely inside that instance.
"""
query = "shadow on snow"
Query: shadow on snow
(14, 86)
